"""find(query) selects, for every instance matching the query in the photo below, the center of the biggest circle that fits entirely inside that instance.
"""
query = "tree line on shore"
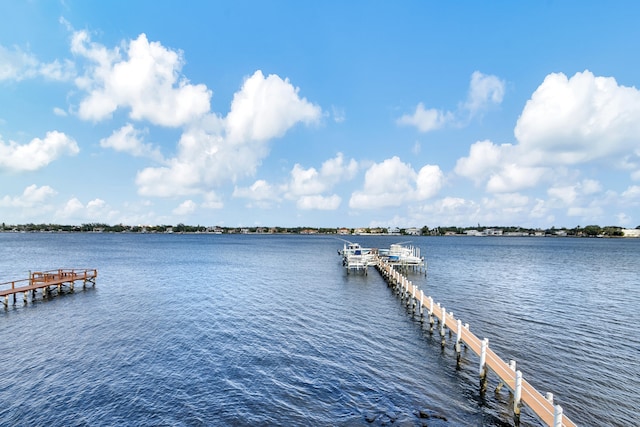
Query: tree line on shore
(578, 231)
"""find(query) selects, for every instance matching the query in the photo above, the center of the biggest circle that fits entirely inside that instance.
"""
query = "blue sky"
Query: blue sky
(323, 114)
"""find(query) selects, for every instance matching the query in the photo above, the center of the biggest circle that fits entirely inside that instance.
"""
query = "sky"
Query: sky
(322, 114)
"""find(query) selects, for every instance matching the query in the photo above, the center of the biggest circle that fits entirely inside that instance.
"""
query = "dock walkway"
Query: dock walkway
(523, 392)
(44, 281)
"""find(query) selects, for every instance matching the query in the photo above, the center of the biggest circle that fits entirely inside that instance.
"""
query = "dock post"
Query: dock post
(26, 294)
(517, 396)
(457, 346)
(416, 308)
(466, 326)
(6, 301)
(549, 397)
(483, 365)
(557, 416)
(407, 293)
(431, 320)
(421, 306)
(413, 298)
(443, 322)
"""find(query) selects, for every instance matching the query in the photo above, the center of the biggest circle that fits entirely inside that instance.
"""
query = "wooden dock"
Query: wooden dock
(45, 281)
(522, 392)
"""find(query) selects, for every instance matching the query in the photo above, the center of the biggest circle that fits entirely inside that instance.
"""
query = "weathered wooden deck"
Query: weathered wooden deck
(523, 392)
(44, 281)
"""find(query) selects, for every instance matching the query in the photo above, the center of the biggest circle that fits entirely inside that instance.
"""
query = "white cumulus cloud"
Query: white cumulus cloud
(311, 181)
(512, 177)
(632, 193)
(484, 158)
(18, 65)
(259, 190)
(570, 194)
(579, 119)
(128, 139)
(59, 112)
(36, 154)
(319, 202)
(567, 122)
(426, 120)
(143, 76)
(308, 187)
(185, 208)
(96, 210)
(392, 183)
(265, 108)
(449, 210)
(214, 150)
(484, 91)
(32, 196)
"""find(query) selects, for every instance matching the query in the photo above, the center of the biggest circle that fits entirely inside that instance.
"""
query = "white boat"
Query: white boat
(355, 257)
(405, 255)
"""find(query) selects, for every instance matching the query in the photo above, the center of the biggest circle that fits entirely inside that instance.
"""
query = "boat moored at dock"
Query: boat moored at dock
(404, 255)
(355, 257)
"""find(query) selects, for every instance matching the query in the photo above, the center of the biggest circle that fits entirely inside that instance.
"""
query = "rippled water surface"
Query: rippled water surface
(270, 330)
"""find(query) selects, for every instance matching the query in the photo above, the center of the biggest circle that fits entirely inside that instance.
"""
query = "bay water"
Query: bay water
(199, 330)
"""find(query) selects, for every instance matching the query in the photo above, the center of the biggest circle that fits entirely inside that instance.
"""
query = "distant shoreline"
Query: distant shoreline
(586, 232)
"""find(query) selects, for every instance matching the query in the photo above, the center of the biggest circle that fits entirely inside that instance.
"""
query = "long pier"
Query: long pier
(44, 281)
(523, 392)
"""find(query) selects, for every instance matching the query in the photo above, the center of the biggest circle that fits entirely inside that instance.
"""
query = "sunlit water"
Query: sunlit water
(270, 330)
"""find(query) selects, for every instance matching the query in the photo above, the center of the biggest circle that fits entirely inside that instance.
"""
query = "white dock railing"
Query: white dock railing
(523, 393)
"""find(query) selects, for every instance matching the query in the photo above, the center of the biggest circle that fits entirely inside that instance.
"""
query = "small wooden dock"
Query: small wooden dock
(521, 391)
(46, 282)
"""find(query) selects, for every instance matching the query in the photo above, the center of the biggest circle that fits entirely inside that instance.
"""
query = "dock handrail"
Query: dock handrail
(38, 279)
(524, 393)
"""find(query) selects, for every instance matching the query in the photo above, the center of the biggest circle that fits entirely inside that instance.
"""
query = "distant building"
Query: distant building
(518, 233)
(492, 232)
(413, 231)
(631, 232)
